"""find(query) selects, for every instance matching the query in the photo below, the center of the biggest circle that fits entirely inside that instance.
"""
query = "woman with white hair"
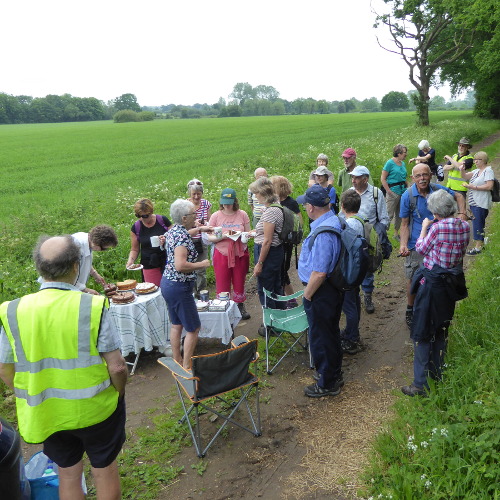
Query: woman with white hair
(438, 284)
(393, 181)
(427, 155)
(203, 212)
(177, 283)
(479, 186)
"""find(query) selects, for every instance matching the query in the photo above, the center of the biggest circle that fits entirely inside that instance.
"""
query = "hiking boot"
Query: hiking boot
(350, 347)
(315, 391)
(316, 377)
(412, 390)
(474, 251)
(409, 318)
(243, 311)
(369, 307)
(262, 332)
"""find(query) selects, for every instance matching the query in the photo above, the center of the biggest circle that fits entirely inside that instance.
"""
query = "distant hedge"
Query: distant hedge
(127, 115)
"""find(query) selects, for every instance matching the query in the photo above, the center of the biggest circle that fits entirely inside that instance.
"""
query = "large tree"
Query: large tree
(126, 101)
(424, 34)
(395, 101)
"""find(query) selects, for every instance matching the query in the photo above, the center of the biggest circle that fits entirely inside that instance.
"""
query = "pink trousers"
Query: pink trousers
(226, 276)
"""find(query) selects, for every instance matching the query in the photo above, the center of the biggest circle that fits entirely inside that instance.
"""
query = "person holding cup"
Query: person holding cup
(145, 240)
(231, 259)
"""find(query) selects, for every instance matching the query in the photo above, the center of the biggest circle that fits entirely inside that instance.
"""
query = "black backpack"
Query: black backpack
(292, 231)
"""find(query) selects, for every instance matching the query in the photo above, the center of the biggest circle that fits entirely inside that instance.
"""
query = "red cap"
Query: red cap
(349, 152)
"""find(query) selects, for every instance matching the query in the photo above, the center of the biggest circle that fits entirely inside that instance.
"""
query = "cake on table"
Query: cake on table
(126, 285)
(146, 287)
(123, 298)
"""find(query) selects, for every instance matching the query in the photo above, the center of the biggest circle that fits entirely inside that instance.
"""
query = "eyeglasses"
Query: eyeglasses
(419, 176)
(190, 213)
(143, 216)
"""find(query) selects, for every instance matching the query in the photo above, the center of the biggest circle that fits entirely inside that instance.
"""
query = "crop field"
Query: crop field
(63, 178)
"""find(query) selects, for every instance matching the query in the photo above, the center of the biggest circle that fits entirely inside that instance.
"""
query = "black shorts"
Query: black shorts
(102, 442)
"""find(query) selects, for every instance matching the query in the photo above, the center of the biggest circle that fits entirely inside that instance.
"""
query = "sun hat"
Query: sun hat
(315, 195)
(349, 152)
(227, 196)
(359, 170)
(321, 170)
(465, 141)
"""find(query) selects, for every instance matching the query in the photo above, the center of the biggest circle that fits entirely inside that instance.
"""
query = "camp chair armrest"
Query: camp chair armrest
(240, 340)
(176, 368)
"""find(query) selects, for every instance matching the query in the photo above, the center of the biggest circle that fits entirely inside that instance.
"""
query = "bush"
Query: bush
(126, 115)
(146, 116)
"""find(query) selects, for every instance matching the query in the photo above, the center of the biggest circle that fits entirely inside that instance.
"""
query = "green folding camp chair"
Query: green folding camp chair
(211, 376)
(287, 327)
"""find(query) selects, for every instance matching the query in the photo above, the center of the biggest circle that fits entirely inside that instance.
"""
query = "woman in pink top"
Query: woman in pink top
(231, 259)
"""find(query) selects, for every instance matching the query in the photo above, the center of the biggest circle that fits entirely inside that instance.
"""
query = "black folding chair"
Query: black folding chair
(212, 376)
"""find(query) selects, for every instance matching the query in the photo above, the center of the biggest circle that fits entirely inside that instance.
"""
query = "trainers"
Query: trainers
(409, 318)
(369, 307)
(474, 251)
(243, 311)
(315, 391)
(412, 390)
(350, 347)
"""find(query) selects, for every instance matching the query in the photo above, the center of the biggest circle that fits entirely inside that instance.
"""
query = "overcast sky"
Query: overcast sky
(184, 52)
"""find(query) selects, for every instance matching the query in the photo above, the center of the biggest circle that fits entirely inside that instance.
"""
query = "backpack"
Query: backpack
(292, 231)
(375, 253)
(138, 225)
(495, 192)
(381, 230)
(352, 264)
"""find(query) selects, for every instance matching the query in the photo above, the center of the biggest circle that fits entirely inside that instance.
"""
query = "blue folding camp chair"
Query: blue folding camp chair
(287, 327)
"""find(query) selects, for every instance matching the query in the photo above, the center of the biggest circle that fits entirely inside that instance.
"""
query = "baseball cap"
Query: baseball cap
(465, 140)
(315, 195)
(227, 196)
(349, 152)
(321, 171)
(359, 170)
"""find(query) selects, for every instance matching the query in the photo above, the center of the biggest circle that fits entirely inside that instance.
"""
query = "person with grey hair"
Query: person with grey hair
(413, 212)
(393, 180)
(203, 212)
(438, 284)
(427, 155)
(179, 277)
(71, 384)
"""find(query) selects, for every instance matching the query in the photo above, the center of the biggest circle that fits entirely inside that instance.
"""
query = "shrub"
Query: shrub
(126, 115)
(146, 116)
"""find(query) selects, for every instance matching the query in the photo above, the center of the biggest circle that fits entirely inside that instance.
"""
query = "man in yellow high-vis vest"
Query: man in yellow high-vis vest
(60, 353)
(455, 162)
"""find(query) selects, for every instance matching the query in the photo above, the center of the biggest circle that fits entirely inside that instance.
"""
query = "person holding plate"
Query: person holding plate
(144, 240)
(231, 260)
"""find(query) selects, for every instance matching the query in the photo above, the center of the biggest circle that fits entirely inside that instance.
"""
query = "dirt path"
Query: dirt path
(309, 449)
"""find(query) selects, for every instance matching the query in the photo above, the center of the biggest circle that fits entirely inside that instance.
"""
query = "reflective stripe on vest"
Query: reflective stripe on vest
(454, 176)
(85, 359)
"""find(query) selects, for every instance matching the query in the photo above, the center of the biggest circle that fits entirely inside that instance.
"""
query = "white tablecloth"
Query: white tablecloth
(219, 325)
(143, 323)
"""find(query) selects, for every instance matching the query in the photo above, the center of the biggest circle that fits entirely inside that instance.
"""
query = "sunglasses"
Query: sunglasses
(144, 216)
(195, 183)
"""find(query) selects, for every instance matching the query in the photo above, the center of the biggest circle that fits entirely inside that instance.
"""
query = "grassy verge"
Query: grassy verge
(448, 445)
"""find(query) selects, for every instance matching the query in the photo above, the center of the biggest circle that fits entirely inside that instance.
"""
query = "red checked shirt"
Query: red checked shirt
(445, 243)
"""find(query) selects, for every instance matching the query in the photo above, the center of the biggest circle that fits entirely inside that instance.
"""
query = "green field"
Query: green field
(63, 178)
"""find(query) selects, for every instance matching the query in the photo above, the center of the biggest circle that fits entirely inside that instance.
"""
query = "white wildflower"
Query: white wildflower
(428, 484)
(478, 402)
(444, 432)
(424, 444)
(423, 476)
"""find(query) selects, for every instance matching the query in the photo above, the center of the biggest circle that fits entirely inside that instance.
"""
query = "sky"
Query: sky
(174, 51)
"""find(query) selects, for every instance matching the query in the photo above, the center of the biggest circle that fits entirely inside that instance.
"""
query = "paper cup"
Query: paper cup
(155, 241)
(244, 237)
(218, 232)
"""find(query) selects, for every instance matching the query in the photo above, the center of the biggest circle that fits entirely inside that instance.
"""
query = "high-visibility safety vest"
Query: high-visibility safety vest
(61, 382)
(454, 177)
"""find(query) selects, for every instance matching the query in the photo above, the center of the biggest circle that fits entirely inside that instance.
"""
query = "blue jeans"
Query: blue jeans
(428, 360)
(351, 307)
(479, 222)
(323, 316)
(368, 283)
(270, 277)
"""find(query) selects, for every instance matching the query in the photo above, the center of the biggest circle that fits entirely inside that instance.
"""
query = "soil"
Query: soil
(309, 448)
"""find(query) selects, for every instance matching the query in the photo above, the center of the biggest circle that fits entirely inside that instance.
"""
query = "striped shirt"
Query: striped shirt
(445, 243)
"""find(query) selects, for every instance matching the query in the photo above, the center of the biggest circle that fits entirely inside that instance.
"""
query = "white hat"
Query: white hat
(359, 170)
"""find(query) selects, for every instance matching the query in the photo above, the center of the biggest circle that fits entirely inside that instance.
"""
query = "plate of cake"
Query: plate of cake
(126, 285)
(121, 298)
(144, 288)
(234, 235)
(135, 267)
